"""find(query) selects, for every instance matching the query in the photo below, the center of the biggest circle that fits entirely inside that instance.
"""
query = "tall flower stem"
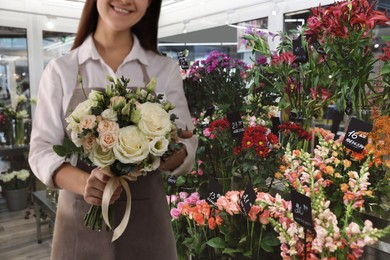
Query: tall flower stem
(259, 242)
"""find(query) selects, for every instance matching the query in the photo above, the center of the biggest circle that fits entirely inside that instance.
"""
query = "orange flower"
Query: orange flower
(278, 175)
(329, 170)
(212, 223)
(199, 219)
(297, 153)
(347, 163)
(322, 167)
(344, 187)
(219, 220)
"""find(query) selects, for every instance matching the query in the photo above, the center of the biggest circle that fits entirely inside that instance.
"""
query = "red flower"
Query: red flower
(256, 138)
(386, 53)
(219, 125)
(289, 127)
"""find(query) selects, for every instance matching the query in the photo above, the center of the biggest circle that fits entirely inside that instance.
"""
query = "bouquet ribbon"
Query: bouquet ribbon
(109, 190)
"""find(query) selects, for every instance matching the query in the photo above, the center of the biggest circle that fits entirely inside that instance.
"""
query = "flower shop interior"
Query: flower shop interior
(291, 106)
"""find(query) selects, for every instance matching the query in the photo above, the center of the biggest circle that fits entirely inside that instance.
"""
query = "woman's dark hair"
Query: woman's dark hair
(146, 29)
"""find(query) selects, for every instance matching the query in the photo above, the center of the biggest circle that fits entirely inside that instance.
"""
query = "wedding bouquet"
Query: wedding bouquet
(123, 131)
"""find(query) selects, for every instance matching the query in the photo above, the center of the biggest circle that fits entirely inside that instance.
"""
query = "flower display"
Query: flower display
(257, 155)
(220, 80)
(345, 32)
(336, 233)
(123, 131)
(15, 180)
(11, 115)
(328, 61)
(215, 233)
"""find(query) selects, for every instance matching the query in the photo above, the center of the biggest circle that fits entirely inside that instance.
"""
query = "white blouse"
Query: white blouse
(59, 80)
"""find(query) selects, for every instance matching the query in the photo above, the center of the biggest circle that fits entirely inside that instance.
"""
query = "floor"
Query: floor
(18, 238)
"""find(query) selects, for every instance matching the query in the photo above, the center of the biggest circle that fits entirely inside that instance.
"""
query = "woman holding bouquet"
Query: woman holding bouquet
(115, 38)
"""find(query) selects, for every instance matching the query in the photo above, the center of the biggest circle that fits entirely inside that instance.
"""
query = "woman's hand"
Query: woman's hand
(96, 182)
(175, 160)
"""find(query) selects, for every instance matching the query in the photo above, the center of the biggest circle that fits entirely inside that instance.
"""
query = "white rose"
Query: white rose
(158, 146)
(132, 145)
(101, 158)
(154, 120)
(110, 114)
(82, 109)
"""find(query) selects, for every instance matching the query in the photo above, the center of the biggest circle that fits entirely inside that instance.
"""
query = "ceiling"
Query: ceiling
(177, 16)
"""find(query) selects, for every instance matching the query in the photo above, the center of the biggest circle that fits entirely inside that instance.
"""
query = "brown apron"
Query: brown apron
(148, 235)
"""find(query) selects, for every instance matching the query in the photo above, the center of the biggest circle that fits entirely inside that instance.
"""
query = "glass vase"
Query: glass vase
(19, 131)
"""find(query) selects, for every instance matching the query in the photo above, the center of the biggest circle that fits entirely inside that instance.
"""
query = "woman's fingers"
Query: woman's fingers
(185, 134)
(95, 185)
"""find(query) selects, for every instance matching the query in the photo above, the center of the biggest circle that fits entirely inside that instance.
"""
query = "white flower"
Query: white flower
(82, 109)
(95, 95)
(158, 146)
(21, 114)
(132, 145)
(22, 174)
(100, 157)
(21, 98)
(155, 121)
(75, 139)
(110, 114)
(151, 164)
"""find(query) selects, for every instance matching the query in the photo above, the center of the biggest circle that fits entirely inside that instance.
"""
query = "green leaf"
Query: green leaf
(270, 239)
(231, 251)
(385, 69)
(267, 248)
(216, 242)
(386, 38)
(60, 150)
(181, 180)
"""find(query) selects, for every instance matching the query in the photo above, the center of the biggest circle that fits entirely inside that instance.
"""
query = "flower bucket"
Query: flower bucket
(16, 199)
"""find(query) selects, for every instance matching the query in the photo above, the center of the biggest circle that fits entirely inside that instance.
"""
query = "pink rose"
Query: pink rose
(175, 213)
(87, 122)
(107, 140)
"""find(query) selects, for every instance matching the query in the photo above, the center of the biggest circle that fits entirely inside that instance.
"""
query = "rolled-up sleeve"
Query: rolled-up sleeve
(47, 127)
(175, 95)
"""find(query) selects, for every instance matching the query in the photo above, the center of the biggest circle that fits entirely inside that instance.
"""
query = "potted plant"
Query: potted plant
(15, 187)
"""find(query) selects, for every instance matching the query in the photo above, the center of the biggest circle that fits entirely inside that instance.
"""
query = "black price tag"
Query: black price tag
(236, 124)
(355, 137)
(299, 51)
(301, 209)
(247, 200)
(275, 125)
(214, 191)
(318, 48)
(172, 180)
(209, 111)
(182, 60)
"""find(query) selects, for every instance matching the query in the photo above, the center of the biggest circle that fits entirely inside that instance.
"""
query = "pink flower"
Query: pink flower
(175, 213)
(207, 132)
(253, 213)
(264, 217)
(183, 195)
